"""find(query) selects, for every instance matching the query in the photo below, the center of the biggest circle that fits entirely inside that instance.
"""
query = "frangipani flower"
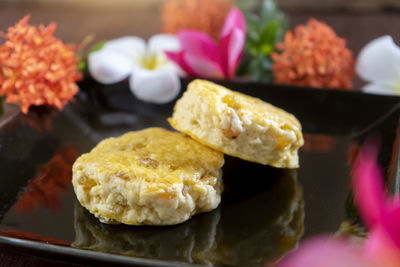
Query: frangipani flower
(381, 214)
(152, 77)
(201, 56)
(379, 64)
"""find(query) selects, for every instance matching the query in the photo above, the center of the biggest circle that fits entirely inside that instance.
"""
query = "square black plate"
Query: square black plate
(264, 211)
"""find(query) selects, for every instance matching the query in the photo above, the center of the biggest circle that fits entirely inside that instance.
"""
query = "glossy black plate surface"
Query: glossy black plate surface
(264, 211)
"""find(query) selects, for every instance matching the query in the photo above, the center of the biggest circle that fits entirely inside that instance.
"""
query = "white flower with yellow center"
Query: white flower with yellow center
(379, 64)
(152, 77)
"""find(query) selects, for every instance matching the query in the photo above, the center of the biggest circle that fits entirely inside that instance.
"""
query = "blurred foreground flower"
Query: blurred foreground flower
(152, 77)
(380, 213)
(37, 68)
(379, 64)
(201, 56)
(313, 55)
(206, 16)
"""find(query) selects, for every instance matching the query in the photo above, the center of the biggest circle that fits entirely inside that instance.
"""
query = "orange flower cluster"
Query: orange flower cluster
(46, 188)
(207, 16)
(313, 56)
(36, 68)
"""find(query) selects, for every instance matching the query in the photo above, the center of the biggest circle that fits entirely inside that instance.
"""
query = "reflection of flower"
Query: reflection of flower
(36, 67)
(313, 55)
(380, 213)
(44, 190)
(318, 143)
(153, 78)
(206, 16)
(379, 64)
(201, 56)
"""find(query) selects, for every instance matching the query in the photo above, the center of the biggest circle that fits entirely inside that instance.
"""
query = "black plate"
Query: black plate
(264, 211)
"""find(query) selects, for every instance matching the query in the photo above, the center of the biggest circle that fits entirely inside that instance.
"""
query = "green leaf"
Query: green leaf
(264, 30)
(268, 36)
(268, 10)
(247, 4)
(82, 65)
(97, 46)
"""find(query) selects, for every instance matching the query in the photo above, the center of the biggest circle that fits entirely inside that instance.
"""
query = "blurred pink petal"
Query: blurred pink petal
(232, 40)
(202, 66)
(234, 20)
(200, 53)
(199, 45)
(200, 56)
(381, 214)
(391, 220)
(380, 247)
(326, 252)
(231, 48)
(369, 187)
(377, 211)
(178, 58)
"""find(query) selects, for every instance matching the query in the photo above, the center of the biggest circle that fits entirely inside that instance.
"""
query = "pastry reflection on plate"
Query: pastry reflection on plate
(258, 228)
(183, 242)
(256, 223)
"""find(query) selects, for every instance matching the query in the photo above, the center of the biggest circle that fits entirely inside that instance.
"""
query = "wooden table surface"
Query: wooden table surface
(76, 22)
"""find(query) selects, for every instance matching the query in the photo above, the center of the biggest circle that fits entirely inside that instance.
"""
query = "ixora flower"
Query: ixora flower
(36, 68)
(313, 55)
(152, 77)
(201, 56)
(379, 64)
(380, 213)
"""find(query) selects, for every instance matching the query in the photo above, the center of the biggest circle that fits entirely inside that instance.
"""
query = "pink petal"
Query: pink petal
(195, 66)
(326, 252)
(199, 55)
(391, 221)
(234, 20)
(231, 48)
(381, 215)
(381, 248)
(178, 58)
(199, 45)
(202, 66)
(368, 187)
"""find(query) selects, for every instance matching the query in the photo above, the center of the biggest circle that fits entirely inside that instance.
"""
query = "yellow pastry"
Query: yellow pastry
(153, 176)
(238, 125)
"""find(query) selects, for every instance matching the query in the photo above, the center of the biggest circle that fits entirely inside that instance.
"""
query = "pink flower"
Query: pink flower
(326, 252)
(201, 56)
(380, 213)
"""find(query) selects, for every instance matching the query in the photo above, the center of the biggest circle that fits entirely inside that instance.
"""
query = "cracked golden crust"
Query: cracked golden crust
(238, 125)
(153, 176)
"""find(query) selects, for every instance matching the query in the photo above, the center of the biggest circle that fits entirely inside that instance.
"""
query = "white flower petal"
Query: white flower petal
(156, 86)
(382, 89)
(163, 42)
(133, 46)
(379, 61)
(109, 66)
